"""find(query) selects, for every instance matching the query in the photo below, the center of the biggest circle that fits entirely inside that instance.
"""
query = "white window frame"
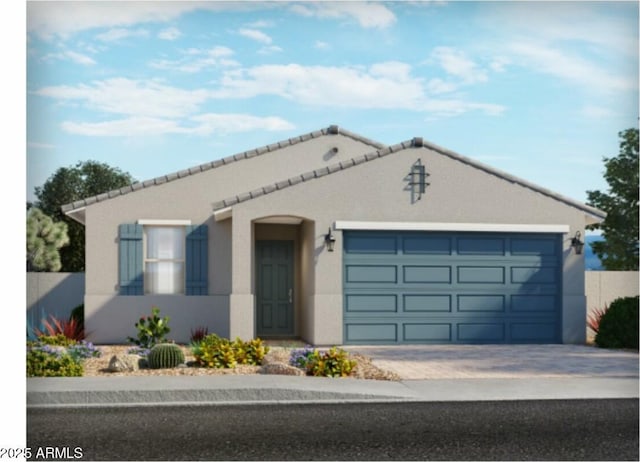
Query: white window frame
(151, 224)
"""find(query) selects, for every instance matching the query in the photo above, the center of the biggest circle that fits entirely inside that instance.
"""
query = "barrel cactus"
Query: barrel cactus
(165, 356)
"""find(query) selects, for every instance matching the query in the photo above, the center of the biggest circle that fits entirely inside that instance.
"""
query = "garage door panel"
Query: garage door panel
(533, 332)
(426, 274)
(533, 246)
(533, 275)
(426, 332)
(454, 287)
(371, 332)
(372, 274)
(480, 274)
(481, 332)
(481, 303)
(427, 303)
(374, 303)
(426, 245)
(371, 244)
(533, 303)
(481, 246)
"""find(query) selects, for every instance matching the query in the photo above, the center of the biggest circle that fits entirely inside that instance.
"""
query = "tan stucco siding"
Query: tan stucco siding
(191, 198)
(378, 191)
(109, 316)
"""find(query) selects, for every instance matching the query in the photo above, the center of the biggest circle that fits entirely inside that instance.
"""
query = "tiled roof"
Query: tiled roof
(331, 130)
(416, 143)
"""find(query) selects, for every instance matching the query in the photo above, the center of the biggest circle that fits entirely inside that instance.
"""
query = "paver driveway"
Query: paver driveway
(500, 361)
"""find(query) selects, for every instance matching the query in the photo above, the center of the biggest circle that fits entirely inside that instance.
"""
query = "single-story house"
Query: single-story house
(337, 239)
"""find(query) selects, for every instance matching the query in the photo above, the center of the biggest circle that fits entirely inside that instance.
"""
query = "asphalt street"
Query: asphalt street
(605, 429)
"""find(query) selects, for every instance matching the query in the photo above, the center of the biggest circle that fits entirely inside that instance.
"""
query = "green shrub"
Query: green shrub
(219, 352)
(165, 356)
(48, 361)
(58, 340)
(333, 363)
(151, 330)
(619, 324)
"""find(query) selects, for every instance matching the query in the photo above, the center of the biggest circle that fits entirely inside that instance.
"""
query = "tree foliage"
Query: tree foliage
(69, 184)
(619, 250)
(44, 240)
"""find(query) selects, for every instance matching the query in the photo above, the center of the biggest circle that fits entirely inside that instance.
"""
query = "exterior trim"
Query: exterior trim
(471, 227)
(222, 214)
(154, 222)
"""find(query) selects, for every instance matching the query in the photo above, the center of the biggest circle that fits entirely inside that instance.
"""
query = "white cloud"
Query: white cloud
(79, 58)
(320, 45)
(195, 60)
(325, 86)
(113, 35)
(68, 55)
(171, 33)
(387, 85)
(593, 23)
(499, 63)
(63, 19)
(367, 14)
(574, 69)
(438, 86)
(456, 107)
(237, 123)
(205, 124)
(456, 63)
(269, 50)
(256, 35)
(260, 24)
(130, 97)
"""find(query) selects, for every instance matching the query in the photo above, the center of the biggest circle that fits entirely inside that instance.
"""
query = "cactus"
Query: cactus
(165, 356)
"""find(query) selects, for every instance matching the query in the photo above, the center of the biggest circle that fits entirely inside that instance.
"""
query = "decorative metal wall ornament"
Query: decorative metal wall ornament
(418, 179)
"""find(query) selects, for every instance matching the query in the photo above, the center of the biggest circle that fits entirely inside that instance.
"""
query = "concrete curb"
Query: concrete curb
(261, 389)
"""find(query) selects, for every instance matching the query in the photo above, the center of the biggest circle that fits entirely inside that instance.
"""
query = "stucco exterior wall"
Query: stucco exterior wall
(378, 191)
(603, 287)
(191, 198)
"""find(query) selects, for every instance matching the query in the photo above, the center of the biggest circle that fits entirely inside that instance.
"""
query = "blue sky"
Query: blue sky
(538, 89)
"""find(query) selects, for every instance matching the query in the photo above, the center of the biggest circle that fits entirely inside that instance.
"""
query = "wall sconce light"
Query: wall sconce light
(576, 243)
(329, 241)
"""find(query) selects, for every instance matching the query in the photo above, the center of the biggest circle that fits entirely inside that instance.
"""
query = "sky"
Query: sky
(537, 89)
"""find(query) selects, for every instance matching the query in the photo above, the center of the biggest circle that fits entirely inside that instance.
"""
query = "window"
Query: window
(164, 260)
(163, 257)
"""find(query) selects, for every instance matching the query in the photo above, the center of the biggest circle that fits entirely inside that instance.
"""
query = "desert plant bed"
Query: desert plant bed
(95, 367)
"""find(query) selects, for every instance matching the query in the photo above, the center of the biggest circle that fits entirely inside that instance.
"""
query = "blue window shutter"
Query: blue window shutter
(197, 260)
(130, 253)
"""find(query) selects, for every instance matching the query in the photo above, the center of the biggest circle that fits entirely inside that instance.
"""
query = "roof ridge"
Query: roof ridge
(416, 142)
(331, 130)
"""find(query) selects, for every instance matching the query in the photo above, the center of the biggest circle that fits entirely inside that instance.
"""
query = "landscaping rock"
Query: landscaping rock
(281, 369)
(124, 363)
(276, 355)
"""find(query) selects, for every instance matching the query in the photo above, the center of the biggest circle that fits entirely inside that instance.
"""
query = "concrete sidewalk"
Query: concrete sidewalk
(255, 389)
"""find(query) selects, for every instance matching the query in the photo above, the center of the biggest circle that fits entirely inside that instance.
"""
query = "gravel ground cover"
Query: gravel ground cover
(94, 367)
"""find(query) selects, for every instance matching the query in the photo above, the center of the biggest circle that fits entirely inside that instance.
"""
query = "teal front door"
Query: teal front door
(274, 297)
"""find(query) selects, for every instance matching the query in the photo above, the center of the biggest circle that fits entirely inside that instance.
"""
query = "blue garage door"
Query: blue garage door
(427, 287)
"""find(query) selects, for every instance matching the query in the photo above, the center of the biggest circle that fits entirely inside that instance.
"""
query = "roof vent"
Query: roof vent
(333, 130)
(417, 142)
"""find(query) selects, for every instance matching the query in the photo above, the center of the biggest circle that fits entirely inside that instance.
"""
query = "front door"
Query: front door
(274, 297)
